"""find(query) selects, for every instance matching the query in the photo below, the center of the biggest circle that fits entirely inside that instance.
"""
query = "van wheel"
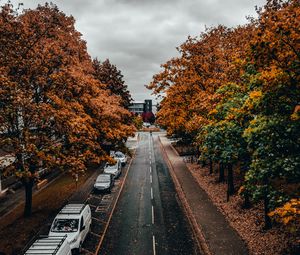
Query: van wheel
(79, 250)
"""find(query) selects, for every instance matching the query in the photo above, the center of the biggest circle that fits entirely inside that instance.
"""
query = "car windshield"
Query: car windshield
(65, 225)
(103, 178)
(109, 166)
(119, 155)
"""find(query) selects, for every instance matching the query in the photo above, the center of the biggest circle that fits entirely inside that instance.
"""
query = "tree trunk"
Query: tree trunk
(230, 185)
(28, 184)
(210, 166)
(268, 223)
(221, 173)
(247, 203)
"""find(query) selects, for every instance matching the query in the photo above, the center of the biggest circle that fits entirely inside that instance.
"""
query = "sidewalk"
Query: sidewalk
(215, 235)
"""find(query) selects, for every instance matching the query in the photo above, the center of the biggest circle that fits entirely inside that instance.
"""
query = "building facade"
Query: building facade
(139, 107)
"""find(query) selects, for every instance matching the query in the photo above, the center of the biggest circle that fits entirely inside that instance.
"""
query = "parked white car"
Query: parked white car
(122, 157)
(56, 245)
(74, 220)
(104, 182)
(114, 169)
(146, 124)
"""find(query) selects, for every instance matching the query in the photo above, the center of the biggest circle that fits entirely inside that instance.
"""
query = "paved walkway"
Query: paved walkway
(219, 237)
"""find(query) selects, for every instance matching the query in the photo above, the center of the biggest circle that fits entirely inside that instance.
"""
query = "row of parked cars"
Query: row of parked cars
(105, 181)
(72, 224)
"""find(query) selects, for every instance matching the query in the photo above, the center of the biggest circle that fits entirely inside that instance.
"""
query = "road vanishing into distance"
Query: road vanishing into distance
(148, 218)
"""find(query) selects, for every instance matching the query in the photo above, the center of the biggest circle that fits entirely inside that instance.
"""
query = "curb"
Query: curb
(114, 206)
(197, 231)
(176, 152)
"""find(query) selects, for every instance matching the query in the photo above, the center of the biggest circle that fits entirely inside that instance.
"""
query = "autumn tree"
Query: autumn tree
(138, 121)
(53, 111)
(237, 91)
(190, 81)
(112, 78)
(273, 135)
(33, 52)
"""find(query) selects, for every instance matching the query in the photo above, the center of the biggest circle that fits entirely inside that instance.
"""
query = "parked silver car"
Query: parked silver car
(114, 169)
(104, 182)
(122, 157)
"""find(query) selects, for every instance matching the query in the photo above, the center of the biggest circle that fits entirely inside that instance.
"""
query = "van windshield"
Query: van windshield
(65, 225)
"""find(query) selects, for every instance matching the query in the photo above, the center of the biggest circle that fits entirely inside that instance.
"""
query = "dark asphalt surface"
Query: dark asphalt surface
(135, 227)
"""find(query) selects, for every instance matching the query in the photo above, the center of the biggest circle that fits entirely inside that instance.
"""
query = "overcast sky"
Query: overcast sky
(139, 35)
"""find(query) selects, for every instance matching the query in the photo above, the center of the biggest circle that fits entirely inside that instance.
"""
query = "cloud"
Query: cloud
(140, 35)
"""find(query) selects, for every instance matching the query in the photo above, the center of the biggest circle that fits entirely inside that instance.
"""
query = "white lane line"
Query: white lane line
(152, 214)
(150, 169)
(151, 178)
(151, 193)
(153, 243)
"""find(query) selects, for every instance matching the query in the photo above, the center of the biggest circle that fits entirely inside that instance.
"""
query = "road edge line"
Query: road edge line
(197, 231)
(114, 206)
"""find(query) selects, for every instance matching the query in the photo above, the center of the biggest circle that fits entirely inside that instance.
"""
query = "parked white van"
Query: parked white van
(56, 245)
(75, 221)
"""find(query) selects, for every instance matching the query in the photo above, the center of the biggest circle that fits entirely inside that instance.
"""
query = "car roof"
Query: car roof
(72, 209)
(100, 176)
(47, 245)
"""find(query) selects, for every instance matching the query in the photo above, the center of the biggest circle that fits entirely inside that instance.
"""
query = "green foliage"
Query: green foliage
(274, 144)
(138, 122)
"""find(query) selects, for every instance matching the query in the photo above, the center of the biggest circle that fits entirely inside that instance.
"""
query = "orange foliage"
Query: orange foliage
(54, 112)
(189, 83)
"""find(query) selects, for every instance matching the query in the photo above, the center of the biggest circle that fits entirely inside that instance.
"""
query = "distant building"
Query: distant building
(137, 107)
(148, 105)
(141, 106)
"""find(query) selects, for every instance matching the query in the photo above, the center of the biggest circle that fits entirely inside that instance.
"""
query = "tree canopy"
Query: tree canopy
(54, 111)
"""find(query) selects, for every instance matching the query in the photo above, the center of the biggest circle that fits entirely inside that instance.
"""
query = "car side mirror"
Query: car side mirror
(82, 228)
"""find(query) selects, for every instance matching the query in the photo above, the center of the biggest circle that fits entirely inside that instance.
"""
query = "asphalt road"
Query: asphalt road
(148, 218)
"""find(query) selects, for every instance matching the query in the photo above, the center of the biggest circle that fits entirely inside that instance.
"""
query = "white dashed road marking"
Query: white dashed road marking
(152, 214)
(153, 243)
(151, 193)
(152, 208)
